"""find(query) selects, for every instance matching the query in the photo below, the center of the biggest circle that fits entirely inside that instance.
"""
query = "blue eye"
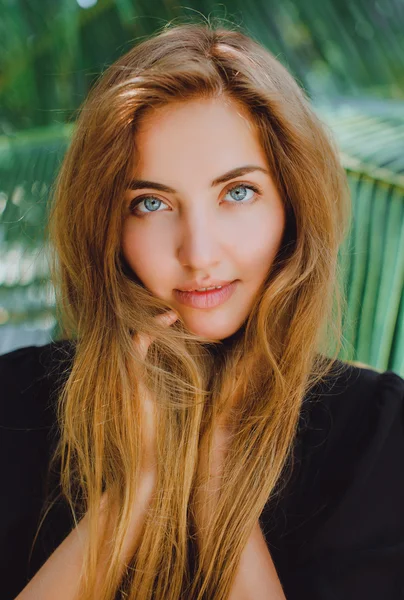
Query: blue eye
(146, 199)
(241, 196)
(152, 203)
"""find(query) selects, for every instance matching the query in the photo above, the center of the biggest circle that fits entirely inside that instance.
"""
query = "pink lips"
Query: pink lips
(208, 299)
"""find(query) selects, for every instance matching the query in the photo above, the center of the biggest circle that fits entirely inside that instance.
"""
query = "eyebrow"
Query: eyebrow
(137, 184)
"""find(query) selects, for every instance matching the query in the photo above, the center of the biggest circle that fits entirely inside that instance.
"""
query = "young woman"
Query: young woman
(203, 444)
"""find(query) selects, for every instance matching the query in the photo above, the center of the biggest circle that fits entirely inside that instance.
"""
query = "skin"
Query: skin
(200, 231)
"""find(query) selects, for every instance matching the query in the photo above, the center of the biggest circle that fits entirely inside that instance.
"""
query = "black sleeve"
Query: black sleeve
(27, 425)
(343, 521)
(23, 455)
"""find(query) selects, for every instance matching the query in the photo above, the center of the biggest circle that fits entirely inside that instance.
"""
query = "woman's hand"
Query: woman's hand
(210, 478)
(256, 576)
(142, 343)
(149, 459)
(60, 575)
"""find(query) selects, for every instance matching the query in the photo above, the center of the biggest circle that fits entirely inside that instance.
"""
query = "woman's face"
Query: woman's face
(207, 210)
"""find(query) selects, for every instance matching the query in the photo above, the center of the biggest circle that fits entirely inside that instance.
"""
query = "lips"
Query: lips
(196, 285)
(208, 299)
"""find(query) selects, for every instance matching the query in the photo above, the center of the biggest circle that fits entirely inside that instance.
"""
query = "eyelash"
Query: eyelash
(138, 200)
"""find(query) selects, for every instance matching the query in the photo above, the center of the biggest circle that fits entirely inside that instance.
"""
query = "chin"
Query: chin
(211, 330)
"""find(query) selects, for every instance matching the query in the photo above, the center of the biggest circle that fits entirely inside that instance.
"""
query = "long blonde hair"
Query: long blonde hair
(290, 340)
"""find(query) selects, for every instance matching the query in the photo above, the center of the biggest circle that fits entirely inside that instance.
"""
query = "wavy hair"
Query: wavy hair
(290, 340)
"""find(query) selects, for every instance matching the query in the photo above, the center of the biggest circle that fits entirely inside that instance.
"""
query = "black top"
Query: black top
(336, 531)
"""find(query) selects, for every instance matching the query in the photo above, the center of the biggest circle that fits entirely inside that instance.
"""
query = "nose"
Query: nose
(200, 242)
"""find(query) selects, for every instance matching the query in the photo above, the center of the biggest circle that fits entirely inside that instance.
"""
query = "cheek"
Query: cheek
(142, 252)
(261, 241)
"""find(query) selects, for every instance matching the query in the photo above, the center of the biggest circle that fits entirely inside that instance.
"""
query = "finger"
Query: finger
(144, 340)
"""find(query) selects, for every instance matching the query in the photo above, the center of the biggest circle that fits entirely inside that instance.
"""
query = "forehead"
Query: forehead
(202, 137)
